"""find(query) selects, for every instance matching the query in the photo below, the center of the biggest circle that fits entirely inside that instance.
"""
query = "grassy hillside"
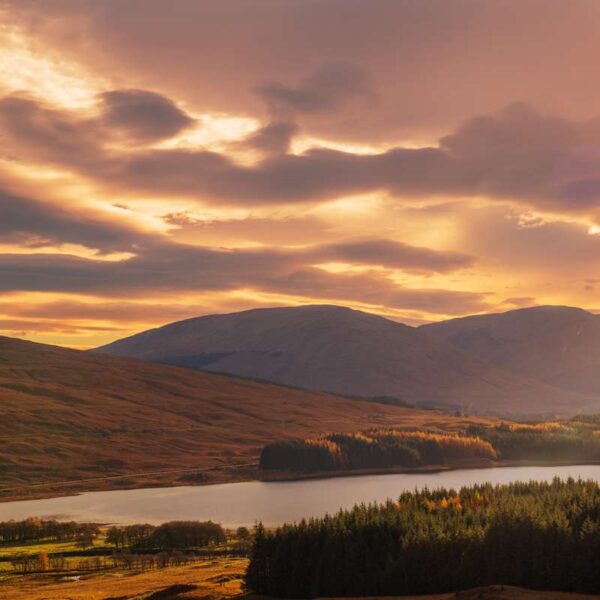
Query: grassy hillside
(68, 415)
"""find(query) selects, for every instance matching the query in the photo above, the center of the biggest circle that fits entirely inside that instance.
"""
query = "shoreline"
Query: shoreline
(227, 474)
(455, 466)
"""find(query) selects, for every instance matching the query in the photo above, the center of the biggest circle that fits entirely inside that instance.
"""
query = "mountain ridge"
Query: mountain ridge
(558, 345)
(341, 350)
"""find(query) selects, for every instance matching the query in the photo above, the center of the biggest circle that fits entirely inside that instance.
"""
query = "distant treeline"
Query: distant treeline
(168, 536)
(36, 529)
(372, 449)
(535, 535)
(172, 535)
(564, 440)
(140, 546)
(31, 563)
(574, 440)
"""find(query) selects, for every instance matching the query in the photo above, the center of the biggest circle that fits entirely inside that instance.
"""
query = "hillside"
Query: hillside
(66, 414)
(558, 345)
(345, 351)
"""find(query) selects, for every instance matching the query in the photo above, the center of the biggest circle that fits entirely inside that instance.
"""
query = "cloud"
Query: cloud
(433, 62)
(80, 140)
(168, 268)
(549, 253)
(272, 229)
(395, 255)
(161, 266)
(326, 90)
(120, 311)
(517, 154)
(35, 224)
(142, 115)
(36, 133)
(25, 327)
(273, 138)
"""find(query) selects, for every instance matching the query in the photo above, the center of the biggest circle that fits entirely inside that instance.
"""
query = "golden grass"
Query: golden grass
(214, 578)
(37, 547)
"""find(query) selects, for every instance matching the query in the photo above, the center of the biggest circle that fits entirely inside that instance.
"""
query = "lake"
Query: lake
(273, 503)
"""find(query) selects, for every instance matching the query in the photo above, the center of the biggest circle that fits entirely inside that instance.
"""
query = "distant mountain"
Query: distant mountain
(350, 352)
(70, 415)
(558, 345)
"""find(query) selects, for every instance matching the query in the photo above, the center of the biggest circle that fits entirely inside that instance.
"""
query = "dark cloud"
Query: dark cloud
(164, 264)
(142, 115)
(34, 224)
(395, 255)
(35, 131)
(326, 90)
(274, 138)
(517, 154)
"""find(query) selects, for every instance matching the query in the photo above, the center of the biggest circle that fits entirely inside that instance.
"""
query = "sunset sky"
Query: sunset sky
(420, 159)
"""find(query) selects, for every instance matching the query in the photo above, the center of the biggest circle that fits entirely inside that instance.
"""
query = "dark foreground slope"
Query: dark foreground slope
(350, 352)
(66, 414)
(558, 345)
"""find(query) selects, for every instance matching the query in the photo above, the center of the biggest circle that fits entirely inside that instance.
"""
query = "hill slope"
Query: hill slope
(345, 351)
(66, 414)
(558, 345)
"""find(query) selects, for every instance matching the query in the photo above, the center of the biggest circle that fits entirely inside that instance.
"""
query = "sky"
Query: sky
(421, 160)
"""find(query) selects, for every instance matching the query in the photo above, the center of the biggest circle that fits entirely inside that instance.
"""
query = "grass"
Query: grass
(73, 421)
(214, 580)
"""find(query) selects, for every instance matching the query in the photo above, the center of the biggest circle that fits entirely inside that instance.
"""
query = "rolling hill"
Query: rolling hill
(349, 352)
(558, 345)
(70, 415)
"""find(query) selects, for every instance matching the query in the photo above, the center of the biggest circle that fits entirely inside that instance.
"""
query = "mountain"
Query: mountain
(71, 415)
(558, 345)
(345, 351)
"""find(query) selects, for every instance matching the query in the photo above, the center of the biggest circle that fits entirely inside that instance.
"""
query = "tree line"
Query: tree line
(36, 529)
(573, 440)
(32, 563)
(535, 535)
(375, 448)
(556, 441)
(171, 535)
